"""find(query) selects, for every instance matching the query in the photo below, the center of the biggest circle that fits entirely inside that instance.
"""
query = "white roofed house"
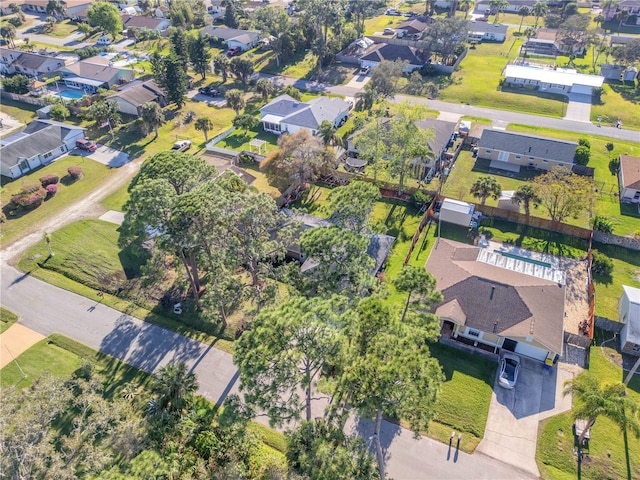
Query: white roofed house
(233, 37)
(285, 114)
(30, 64)
(553, 80)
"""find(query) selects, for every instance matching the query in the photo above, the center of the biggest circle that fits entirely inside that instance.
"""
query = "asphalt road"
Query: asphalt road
(48, 309)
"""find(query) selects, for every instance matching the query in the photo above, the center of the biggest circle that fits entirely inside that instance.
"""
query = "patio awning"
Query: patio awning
(268, 118)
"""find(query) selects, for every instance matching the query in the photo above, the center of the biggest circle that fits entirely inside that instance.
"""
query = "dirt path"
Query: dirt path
(87, 207)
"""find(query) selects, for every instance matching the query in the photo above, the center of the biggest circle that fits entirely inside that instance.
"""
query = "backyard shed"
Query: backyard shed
(505, 201)
(456, 212)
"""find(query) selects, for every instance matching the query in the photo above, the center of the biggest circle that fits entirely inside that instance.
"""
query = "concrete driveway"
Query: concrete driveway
(106, 155)
(358, 81)
(511, 433)
(579, 108)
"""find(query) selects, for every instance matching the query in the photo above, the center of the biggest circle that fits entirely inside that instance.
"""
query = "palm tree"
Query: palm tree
(221, 66)
(235, 100)
(152, 115)
(593, 399)
(497, 6)
(8, 33)
(204, 124)
(526, 195)
(367, 97)
(523, 12)
(485, 187)
(466, 5)
(622, 15)
(539, 9)
(173, 386)
(264, 87)
(327, 132)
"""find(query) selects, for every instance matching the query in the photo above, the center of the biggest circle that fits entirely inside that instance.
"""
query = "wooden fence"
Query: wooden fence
(24, 98)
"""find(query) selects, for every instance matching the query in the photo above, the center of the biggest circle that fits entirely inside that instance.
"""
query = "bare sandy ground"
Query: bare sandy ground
(16, 340)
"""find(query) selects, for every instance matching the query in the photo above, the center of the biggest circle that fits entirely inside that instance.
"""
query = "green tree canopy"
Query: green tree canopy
(564, 194)
(351, 205)
(106, 16)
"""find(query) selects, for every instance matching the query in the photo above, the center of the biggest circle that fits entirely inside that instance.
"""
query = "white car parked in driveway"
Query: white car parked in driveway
(509, 368)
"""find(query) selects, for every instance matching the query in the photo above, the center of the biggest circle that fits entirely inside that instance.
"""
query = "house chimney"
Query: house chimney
(493, 290)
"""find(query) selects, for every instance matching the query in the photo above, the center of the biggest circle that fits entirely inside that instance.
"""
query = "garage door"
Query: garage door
(531, 351)
(582, 89)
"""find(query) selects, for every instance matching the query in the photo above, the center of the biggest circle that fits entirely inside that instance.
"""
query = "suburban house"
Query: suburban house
(378, 52)
(132, 96)
(631, 7)
(510, 151)
(215, 8)
(378, 249)
(413, 28)
(245, 39)
(486, 32)
(285, 114)
(497, 308)
(40, 6)
(629, 314)
(39, 144)
(553, 42)
(141, 21)
(554, 80)
(629, 177)
(30, 64)
(93, 73)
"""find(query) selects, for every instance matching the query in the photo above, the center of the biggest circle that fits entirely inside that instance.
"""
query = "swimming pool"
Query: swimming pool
(70, 94)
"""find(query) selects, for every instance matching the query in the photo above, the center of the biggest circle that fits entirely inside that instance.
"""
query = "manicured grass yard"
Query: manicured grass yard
(95, 174)
(626, 271)
(378, 24)
(44, 356)
(63, 29)
(23, 112)
(606, 452)
(476, 82)
(117, 199)
(239, 140)
(7, 318)
(619, 101)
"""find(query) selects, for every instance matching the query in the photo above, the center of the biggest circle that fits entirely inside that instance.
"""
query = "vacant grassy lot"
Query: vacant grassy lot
(378, 24)
(477, 80)
(7, 318)
(95, 174)
(606, 453)
(607, 203)
(23, 112)
(619, 101)
(87, 260)
(63, 29)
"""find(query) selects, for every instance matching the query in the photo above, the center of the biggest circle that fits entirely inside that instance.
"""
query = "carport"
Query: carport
(582, 89)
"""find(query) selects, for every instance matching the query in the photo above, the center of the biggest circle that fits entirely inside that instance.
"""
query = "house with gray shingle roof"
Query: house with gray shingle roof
(27, 63)
(486, 32)
(233, 37)
(385, 51)
(132, 96)
(629, 176)
(39, 144)
(93, 73)
(285, 114)
(494, 307)
(510, 151)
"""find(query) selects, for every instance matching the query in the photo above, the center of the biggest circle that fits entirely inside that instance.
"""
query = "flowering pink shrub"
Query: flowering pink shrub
(75, 172)
(29, 196)
(51, 189)
(49, 180)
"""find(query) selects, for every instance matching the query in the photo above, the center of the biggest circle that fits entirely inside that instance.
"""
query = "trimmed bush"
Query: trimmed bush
(582, 155)
(601, 264)
(50, 179)
(75, 172)
(51, 189)
(585, 143)
(602, 224)
(29, 197)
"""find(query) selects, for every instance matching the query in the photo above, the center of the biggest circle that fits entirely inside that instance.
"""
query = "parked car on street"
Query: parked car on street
(509, 368)
(393, 12)
(84, 144)
(182, 145)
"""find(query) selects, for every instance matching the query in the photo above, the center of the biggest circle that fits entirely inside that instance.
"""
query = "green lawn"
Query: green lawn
(469, 382)
(44, 356)
(239, 140)
(7, 318)
(23, 112)
(607, 203)
(626, 271)
(63, 29)
(378, 24)
(606, 448)
(95, 174)
(117, 199)
(476, 82)
(619, 101)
